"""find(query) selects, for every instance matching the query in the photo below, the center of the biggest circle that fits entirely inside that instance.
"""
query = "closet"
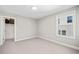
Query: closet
(9, 28)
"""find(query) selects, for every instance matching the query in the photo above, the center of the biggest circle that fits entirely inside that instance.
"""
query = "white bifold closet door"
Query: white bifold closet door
(2, 30)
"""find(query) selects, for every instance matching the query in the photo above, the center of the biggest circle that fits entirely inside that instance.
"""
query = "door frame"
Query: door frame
(14, 25)
(1, 31)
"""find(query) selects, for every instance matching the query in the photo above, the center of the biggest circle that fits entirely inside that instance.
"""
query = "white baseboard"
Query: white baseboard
(9, 38)
(28, 37)
(57, 42)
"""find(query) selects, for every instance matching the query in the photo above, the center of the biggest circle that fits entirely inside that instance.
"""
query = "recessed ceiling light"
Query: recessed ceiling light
(34, 8)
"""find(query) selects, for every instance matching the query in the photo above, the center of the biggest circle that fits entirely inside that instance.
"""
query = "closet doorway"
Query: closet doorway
(9, 28)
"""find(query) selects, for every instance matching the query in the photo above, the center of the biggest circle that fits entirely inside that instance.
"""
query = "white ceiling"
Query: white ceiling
(26, 10)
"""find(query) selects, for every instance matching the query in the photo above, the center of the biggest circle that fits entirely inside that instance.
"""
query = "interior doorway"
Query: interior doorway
(9, 28)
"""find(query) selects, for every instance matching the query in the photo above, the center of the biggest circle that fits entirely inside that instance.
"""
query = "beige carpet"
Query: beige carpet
(34, 46)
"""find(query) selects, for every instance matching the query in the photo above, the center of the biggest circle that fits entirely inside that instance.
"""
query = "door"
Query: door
(2, 30)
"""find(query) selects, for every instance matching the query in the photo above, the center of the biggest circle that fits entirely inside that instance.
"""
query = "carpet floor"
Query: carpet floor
(34, 46)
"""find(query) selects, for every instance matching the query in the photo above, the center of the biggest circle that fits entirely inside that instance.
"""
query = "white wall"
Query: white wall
(77, 32)
(9, 31)
(25, 28)
(47, 28)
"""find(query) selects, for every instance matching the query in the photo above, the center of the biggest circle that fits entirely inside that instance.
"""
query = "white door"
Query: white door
(2, 30)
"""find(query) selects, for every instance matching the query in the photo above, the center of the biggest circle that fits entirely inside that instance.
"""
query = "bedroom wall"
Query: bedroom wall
(25, 27)
(47, 29)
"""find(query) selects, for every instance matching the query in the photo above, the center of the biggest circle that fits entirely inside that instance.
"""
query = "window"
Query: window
(69, 19)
